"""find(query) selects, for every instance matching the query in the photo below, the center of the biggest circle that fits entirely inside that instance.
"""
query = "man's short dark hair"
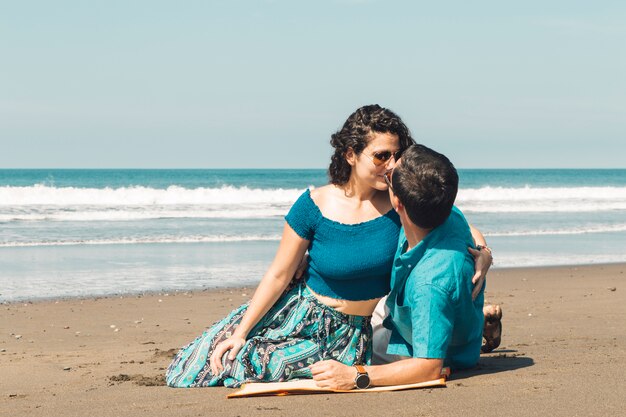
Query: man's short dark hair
(426, 183)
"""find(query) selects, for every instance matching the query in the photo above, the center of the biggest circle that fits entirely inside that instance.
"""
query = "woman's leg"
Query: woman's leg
(307, 334)
(191, 367)
(296, 332)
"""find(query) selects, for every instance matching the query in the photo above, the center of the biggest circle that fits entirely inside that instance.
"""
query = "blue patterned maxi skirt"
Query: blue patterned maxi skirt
(295, 333)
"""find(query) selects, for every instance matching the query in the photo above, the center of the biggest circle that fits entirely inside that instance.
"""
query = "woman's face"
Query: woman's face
(364, 169)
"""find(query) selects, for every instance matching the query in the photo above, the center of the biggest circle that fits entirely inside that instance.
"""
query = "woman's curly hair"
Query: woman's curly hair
(357, 132)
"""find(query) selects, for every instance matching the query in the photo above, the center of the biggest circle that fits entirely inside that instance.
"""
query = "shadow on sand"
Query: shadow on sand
(497, 361)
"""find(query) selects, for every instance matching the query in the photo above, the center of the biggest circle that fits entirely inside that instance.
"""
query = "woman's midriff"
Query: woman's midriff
(353, 308)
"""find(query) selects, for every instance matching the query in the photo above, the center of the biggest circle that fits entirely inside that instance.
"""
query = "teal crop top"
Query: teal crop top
(346, 261)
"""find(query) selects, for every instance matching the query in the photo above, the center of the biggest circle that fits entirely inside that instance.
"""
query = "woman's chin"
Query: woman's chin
(381, 185)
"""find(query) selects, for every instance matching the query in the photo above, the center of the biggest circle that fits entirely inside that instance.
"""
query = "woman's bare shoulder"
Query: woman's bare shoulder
(320, 194)
(328, 199)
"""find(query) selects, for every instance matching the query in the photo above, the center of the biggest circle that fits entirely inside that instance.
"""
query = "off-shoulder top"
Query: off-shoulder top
(346, 261)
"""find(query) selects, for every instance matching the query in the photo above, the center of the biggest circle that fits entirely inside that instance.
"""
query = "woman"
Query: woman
(350, 230)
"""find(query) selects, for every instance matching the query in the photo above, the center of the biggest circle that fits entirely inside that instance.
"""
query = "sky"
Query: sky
(263, 84)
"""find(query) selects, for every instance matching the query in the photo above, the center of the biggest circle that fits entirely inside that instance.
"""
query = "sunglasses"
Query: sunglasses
(388, 175)
(380, 158)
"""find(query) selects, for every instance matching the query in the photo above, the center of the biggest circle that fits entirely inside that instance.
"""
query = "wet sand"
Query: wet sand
(563, 354)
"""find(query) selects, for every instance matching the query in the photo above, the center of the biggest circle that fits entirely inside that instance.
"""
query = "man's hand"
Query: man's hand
(333, 374)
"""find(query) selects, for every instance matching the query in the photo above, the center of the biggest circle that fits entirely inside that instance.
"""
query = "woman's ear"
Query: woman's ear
(350, 157)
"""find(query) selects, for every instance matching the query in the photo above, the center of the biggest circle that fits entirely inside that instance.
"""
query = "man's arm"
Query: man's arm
(335, 375)
(483, 259)
(406, 371)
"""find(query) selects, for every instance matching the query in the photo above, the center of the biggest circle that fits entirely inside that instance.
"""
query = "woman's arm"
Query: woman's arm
(290, 251)
(478, 237)
(482, 260)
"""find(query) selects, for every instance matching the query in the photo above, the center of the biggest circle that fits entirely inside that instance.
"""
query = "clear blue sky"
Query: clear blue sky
(221, 84)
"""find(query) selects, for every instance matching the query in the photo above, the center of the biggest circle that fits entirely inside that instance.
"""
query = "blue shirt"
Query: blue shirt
(432, 314)
(346, 261)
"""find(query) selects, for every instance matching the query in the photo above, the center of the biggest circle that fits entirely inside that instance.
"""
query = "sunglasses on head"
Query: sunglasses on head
(382, 157)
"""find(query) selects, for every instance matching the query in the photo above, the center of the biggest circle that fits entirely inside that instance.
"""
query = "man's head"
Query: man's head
(425, 183)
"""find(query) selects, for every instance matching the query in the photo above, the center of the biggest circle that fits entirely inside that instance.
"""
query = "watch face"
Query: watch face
(362, 381)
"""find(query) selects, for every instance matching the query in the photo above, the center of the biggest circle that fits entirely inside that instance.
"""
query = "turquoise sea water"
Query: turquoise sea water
(291, 178)
(92, 232)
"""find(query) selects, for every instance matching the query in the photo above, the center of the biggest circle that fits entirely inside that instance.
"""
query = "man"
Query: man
(433, 319)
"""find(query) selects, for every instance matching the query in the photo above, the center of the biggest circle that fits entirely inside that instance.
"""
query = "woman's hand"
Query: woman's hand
(304, 264)
(290, 251)
(482, 262)
(232, 345)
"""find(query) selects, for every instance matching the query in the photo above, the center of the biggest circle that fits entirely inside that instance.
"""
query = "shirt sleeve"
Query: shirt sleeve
(301, 216)
(432, 318)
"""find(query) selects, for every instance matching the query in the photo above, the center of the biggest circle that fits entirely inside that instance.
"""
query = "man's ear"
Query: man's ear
(350, 157)
(395, 202)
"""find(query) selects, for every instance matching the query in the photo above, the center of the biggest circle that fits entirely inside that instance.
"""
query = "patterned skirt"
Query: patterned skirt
(295, 333)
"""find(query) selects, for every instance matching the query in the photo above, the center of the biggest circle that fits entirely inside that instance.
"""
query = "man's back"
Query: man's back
(432, 314)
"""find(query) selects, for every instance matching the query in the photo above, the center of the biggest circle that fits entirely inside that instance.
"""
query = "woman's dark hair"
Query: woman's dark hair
(356, 133)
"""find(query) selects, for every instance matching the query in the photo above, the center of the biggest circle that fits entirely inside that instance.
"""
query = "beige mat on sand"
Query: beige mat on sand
(308, 386)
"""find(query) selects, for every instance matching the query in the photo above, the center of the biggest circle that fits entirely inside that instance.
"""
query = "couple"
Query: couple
(321, 327)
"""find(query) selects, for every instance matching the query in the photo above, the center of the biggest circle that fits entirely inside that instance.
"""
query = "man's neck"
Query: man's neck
(414, 234)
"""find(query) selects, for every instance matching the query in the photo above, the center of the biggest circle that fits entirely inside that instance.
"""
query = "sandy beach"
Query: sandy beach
(563, 354)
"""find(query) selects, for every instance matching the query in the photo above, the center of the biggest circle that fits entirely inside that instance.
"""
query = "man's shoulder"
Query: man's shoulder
(442, 268)
(455, 227)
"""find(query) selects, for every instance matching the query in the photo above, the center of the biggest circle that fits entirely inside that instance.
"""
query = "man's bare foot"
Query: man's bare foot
(492, 330)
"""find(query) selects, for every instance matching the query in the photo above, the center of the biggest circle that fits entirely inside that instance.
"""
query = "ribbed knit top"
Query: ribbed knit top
(346, 261)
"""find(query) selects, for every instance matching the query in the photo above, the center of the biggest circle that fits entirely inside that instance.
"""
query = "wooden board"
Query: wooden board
(308, 386)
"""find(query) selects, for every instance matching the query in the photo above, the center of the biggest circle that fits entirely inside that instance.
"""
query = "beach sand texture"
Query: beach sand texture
(563, 354)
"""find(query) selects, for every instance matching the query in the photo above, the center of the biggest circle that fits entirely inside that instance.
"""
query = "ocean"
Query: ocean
(66, 233)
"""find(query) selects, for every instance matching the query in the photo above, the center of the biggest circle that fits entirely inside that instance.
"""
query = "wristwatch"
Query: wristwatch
(362, 379)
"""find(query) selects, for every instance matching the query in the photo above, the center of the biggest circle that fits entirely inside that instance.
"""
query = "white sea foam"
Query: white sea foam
(46, 203)
(144, 240)
(42, 195)
(268, 237)
(518, 260)
(603, 228)
(537, 193)
(535, 200)
(83, 214)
